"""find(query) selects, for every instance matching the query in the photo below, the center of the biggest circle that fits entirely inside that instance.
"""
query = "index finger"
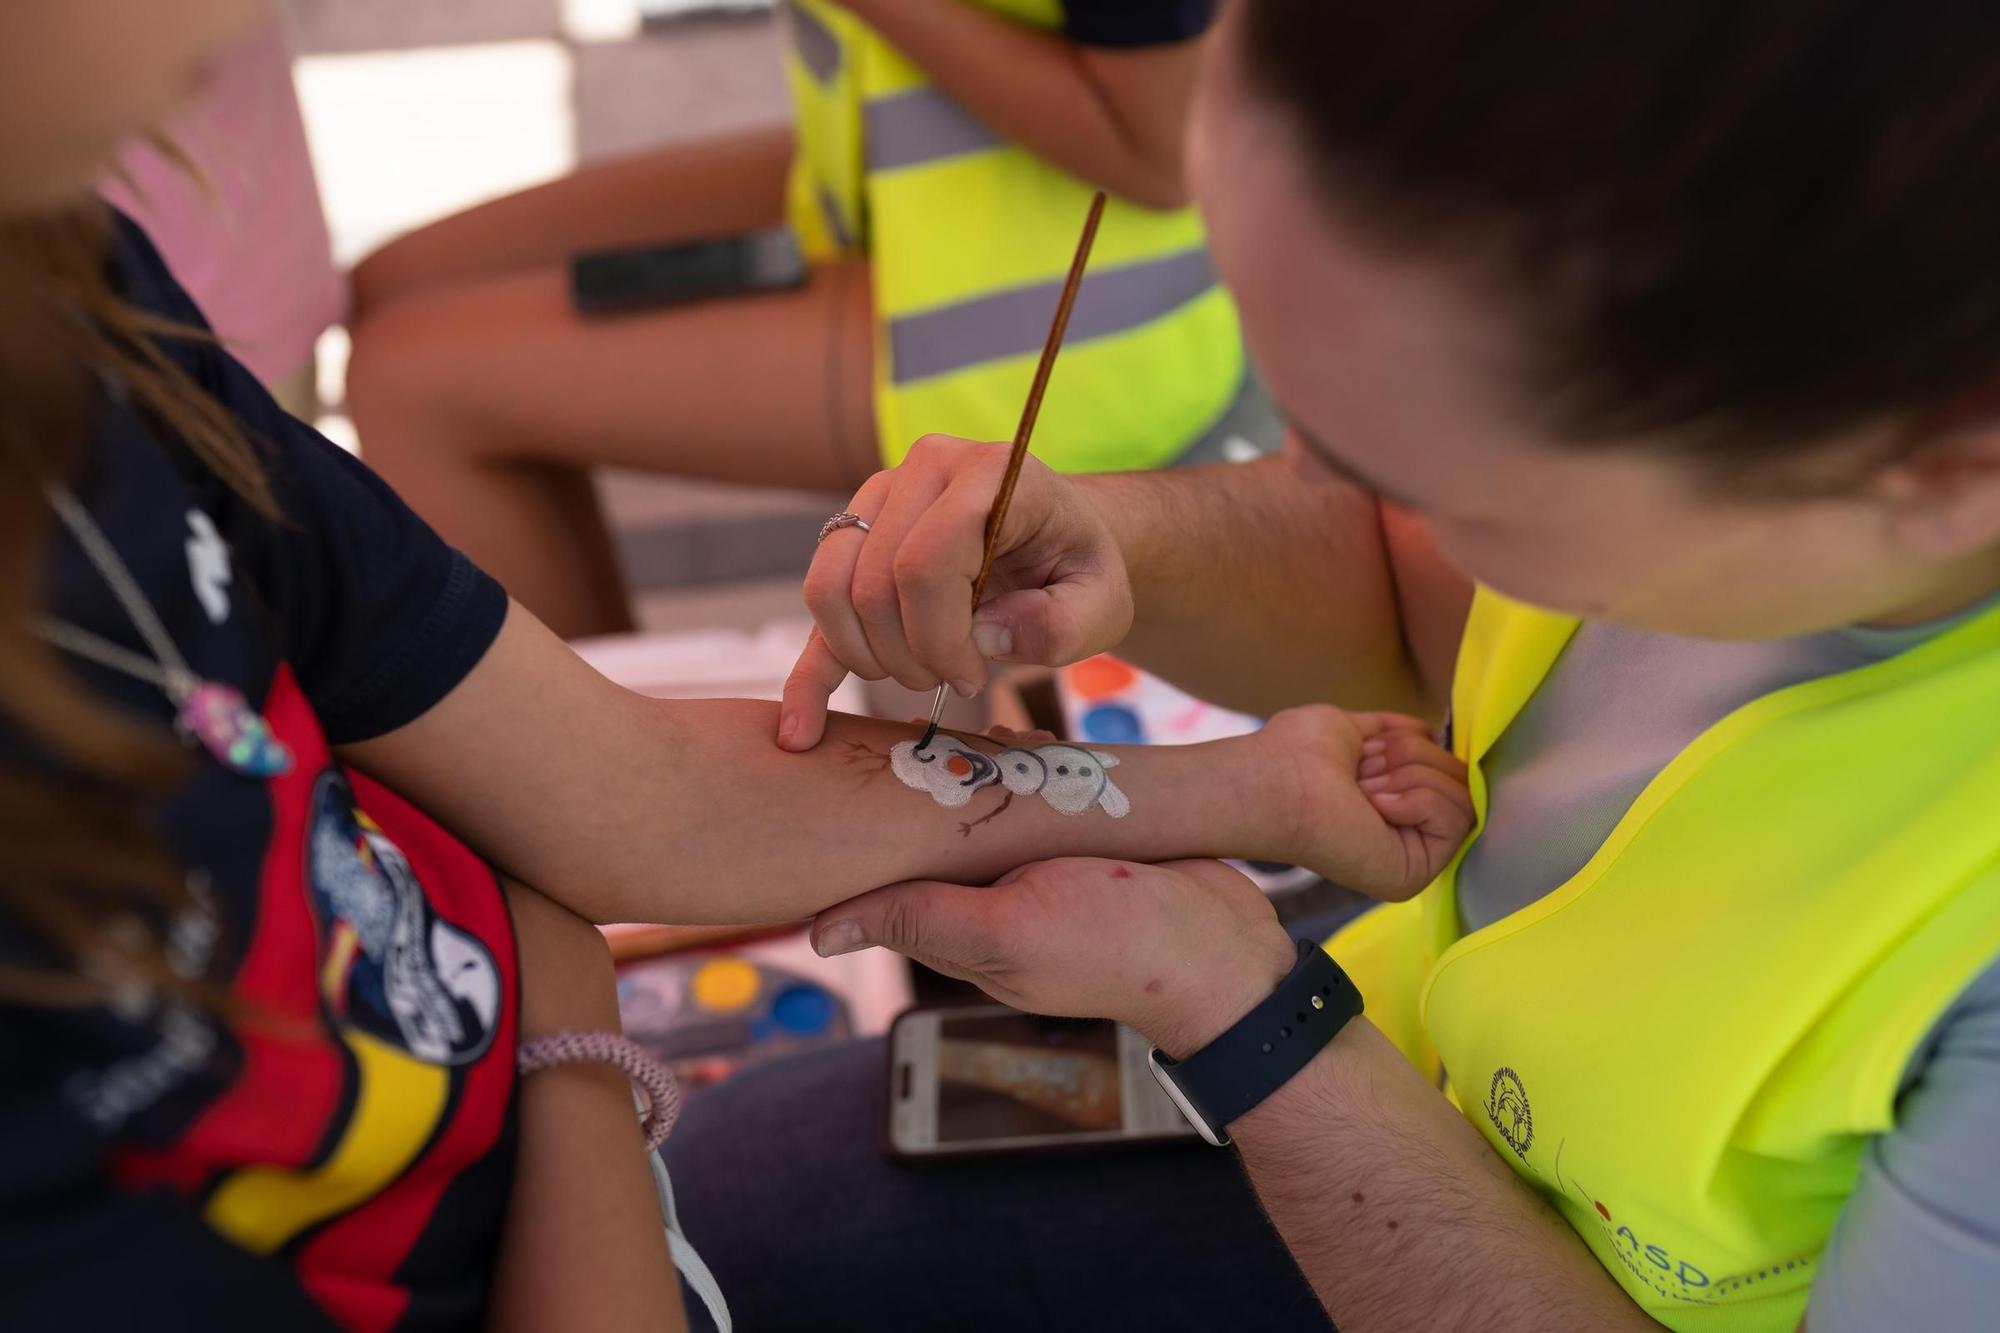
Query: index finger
(802, 714)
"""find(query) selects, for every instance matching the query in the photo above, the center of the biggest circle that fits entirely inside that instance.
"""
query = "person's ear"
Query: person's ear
(1943, 497)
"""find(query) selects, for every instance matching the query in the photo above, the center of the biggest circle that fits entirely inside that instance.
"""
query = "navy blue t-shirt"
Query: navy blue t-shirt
(1136, 22)
(344, 1156)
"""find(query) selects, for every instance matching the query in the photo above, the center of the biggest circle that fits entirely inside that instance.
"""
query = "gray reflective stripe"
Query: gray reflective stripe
(1016, 322)
(922, 125)
(829, 212)
(814, 43)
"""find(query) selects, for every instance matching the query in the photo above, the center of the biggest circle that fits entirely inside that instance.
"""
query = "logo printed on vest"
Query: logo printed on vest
(1507, 1108)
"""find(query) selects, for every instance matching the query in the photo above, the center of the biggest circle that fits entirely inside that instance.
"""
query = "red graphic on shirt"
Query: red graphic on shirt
(275, 1159)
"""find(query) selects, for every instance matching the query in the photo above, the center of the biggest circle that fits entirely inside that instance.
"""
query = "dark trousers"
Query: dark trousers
(784, 1190)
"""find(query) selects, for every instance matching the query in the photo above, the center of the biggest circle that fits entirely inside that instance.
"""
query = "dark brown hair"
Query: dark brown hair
(1749, 224)
(78, 858)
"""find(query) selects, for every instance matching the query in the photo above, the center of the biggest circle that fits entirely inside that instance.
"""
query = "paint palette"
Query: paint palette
(708, 1015)
(1106, 701)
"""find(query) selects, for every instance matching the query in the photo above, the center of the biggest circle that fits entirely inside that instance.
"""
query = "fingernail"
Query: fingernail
(1374, 745)
(1372, 784)
(1373, 765)
(788, 727)
(992, 638)
(964, 689)
(838, 938)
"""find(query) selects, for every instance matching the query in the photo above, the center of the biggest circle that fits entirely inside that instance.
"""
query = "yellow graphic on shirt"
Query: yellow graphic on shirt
(397, 1104)
(410, 995)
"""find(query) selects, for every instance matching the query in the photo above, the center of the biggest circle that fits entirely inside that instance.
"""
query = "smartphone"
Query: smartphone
(608, 282)
(989, 1079)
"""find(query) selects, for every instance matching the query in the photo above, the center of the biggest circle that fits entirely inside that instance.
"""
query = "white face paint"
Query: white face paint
(1069, 778)
(1022, 771)
(1077, 780)
(951, 771)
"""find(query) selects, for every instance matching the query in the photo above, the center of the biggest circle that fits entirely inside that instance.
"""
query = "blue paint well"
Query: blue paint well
(804, 1011)
(1113, 724)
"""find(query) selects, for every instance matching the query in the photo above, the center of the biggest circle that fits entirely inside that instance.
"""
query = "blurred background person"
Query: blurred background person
(936, 173)
(228, 194)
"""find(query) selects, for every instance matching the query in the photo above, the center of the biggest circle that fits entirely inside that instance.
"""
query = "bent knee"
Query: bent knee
(404, 380)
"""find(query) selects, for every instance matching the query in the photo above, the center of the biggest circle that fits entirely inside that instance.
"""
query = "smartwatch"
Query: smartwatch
(1259, 1055)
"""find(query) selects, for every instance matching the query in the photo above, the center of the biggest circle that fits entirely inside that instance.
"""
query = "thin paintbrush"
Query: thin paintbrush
(997, 517)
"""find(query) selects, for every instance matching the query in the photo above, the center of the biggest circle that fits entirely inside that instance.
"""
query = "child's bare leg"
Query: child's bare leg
(486, 404)
(711, 187)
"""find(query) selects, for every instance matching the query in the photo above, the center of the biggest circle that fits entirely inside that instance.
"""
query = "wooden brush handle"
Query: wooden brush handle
(997, 517)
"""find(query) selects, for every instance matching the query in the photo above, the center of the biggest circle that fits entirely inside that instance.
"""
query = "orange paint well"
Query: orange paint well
(1101, 676)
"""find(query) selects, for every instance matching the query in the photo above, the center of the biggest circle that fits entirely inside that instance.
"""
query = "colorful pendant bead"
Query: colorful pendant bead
(236, 734)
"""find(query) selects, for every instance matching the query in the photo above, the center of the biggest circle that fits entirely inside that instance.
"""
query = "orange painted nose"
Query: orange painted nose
(958, 766)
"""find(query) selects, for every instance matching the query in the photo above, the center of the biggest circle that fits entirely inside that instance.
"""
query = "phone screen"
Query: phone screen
(1011, 1076)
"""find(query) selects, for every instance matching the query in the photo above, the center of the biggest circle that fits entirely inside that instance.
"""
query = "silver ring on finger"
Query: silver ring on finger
(841, 520)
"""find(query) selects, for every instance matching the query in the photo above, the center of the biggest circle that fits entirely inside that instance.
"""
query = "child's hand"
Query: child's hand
(1376, 805)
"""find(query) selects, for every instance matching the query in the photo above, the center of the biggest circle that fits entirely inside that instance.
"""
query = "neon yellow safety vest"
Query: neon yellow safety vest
(1687, 1045)
(969, 237)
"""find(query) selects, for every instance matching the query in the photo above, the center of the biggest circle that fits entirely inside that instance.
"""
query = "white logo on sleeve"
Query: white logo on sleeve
(208, 565)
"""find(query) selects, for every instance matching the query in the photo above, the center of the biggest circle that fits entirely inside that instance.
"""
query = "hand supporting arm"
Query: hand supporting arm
(1398, 1213)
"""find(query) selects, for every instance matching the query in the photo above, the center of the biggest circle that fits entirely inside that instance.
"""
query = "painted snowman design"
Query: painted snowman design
(1069, 778)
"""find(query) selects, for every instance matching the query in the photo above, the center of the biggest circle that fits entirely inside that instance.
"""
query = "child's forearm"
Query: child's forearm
(712, 822)
(792, 833)
(624, 808)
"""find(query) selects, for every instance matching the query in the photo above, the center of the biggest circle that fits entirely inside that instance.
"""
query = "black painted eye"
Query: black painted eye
(1020, 768)
(1064, 770)
(1083, 772)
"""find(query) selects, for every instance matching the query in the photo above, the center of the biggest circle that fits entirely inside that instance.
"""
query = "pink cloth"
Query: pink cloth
(250, 244)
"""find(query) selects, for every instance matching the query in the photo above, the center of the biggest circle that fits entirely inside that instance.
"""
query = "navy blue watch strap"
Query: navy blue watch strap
(1268, 1045)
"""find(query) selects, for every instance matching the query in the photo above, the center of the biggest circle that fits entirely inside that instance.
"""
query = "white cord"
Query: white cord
(696, 1272)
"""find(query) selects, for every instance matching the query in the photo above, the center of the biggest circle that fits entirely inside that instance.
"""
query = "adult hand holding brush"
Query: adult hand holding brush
(905, 595)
